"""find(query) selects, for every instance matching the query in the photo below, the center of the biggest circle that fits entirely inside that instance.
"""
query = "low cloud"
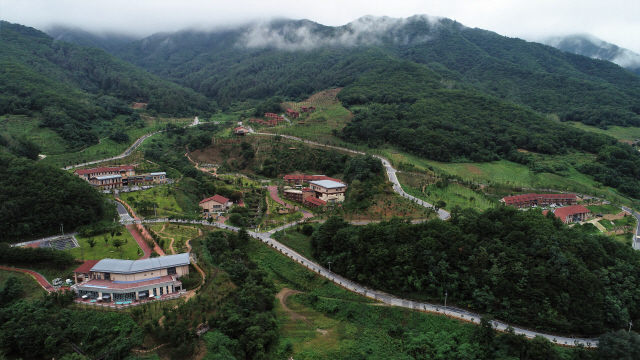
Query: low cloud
(306, 35)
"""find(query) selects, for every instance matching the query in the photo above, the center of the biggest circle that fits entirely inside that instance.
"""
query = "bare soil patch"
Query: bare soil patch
(473, 169)
(282, 296)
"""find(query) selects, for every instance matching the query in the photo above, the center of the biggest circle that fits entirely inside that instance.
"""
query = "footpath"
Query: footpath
(39, 278)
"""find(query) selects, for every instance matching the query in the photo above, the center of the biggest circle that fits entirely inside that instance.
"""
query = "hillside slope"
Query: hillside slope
(74, 89)
(297, 58)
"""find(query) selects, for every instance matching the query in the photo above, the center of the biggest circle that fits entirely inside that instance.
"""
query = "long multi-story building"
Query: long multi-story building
(299, 179)
(115, 177)
(529, 200)
(130, 280)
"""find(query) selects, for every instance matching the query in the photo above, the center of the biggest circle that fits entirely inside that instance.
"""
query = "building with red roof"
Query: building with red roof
(105, 171)
(214, 204)
(84, 271)
(571, 214)
(314, 202)
(240, 131)
(528, 200)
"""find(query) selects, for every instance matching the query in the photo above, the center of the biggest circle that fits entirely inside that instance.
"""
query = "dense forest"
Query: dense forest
(76, 89)
(295, 58)
(35, 199)
(521, 267)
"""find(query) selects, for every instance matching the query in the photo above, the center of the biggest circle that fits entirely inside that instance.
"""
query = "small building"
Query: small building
(294, 195)
(131, 280)
(107, 181)
(314, 202)
(570, 214)
(328, 190)
(240, 131)
(293, 114)
(214, 204)
(159, 177)
(304, 109)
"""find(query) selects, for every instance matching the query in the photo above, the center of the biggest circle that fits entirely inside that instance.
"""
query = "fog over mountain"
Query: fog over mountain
(591, 46)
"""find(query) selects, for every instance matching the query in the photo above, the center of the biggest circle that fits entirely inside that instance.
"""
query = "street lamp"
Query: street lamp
(445, 301)
(329, 262)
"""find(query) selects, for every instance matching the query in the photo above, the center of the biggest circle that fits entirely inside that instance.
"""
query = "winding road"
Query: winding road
(355, 287)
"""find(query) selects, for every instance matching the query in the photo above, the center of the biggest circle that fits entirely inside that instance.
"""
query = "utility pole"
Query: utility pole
(445, 301)
(630, 325)
(62, 228)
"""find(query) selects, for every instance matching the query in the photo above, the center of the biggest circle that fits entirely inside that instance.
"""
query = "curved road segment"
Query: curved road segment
(352, 286)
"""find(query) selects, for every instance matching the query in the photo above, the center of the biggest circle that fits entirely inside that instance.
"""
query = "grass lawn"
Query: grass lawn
(622, 133)
(625, 221)
(30, 287)
(604, 209)
(452, 195)
(295, 240)
(606, 223)
(163, 195)
(179, 233)
(130, 250)
(506, 173)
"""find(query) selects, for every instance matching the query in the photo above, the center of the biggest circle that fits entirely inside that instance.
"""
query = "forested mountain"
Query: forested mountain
(523, 267)
(109, 42)
(75, 89)
(35, 199)
(297, 58)
(591, 46)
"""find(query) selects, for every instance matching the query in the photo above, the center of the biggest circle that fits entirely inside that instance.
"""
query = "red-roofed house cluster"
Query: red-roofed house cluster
(273, 116)
(571, 214)
(529, 200)
(322, 189)
(213, 205)
(269, 122)
(309, 109)
(292, 114)
(115, 177)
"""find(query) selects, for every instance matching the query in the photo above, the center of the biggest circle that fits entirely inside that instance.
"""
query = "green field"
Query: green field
(604, 209)
(163, 195)
(295, 240)
(107, 147)
(505, 173)
(179, 233)
(101, 250)
(30, 287)
(622, 133)
(21, 125)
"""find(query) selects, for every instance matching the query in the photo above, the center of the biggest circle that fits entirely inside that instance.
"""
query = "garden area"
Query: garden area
(118, 244)
(177, 234)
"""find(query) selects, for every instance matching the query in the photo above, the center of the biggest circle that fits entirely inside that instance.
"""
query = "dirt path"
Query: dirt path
(282, 296)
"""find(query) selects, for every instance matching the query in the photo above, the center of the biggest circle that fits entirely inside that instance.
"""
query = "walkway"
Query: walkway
(39, 278)
(273, 190)
(143, 245)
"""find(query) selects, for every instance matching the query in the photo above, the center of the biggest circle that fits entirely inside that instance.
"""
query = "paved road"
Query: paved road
(636, 243)
(383, 297)
(39, 278)
(122, 211)
(391, 174)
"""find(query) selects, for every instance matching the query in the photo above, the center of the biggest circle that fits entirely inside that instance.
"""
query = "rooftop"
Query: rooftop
(136, 266)
(216, 198)
(86, 267)
(122, 285)
(107, 177)
(328, 184)
(315, 201)
(563, 212)
(104, 169)
(158, 173)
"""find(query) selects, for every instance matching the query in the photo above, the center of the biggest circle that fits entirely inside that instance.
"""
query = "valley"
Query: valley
(462, 197)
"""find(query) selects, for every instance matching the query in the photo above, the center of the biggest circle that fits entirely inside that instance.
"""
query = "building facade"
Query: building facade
(529, 200)
(105, 171)
(571, 214)
(214, 204)
(300, 179)
(328, 190)
(130, 280)
(116, 177)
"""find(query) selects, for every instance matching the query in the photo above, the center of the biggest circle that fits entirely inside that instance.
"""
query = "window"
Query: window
(171, 271)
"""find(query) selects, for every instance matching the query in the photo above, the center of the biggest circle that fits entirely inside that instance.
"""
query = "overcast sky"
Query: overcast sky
(615, 21)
